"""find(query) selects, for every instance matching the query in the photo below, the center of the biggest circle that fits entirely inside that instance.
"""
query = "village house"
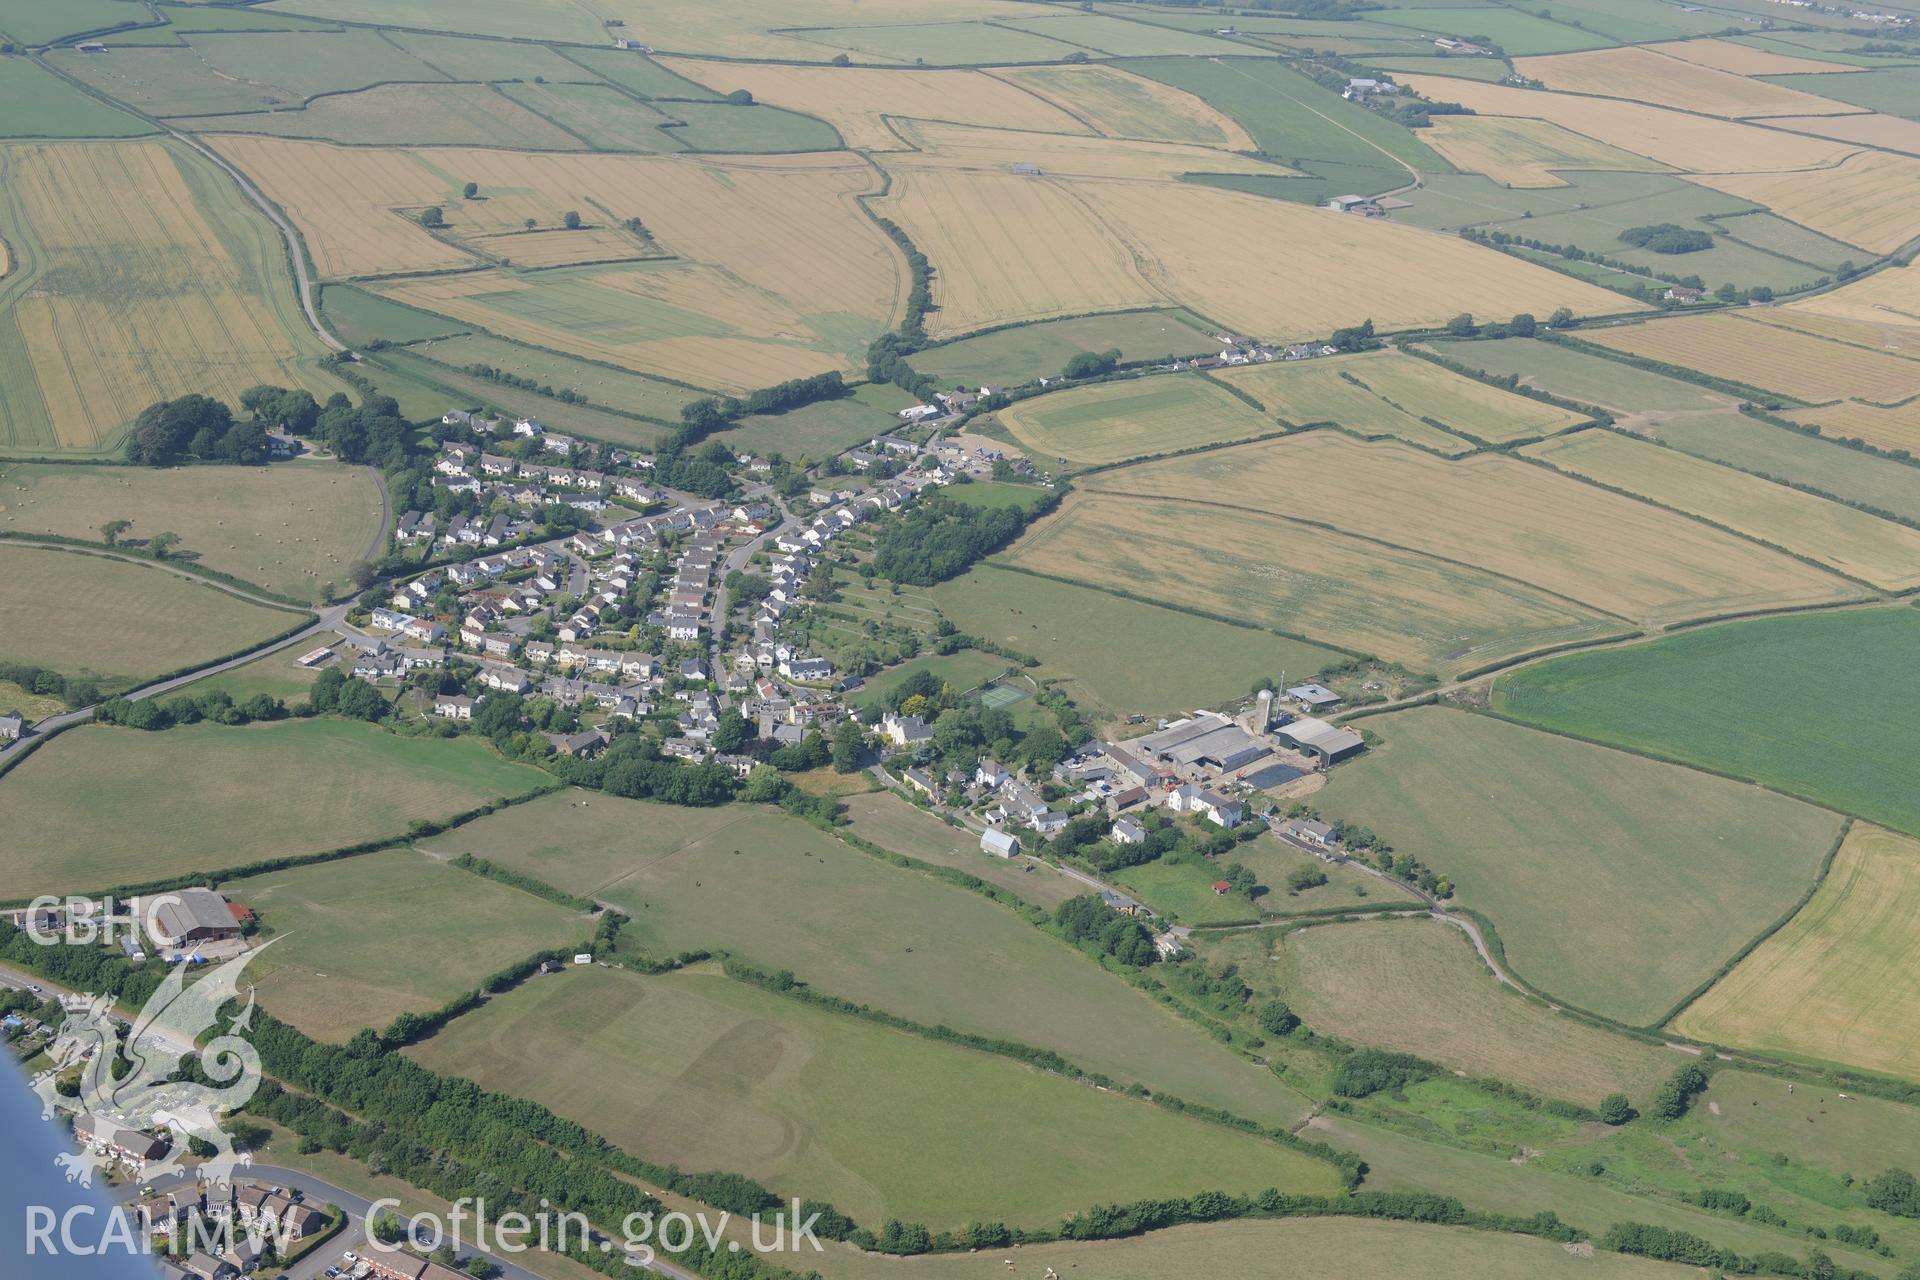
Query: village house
(904, 731)
(13, 726)
(453, 706)
(129, 1145)
(1127, 831)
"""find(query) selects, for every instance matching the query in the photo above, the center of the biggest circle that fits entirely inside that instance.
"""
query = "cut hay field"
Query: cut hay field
(1848, 541)
(1890, 133)
(1420, 610)
(1617, 883)
(359, 941)
(1314, 1249)
(1740, 59)
(402, 114)
(1689, 143)
(1561, 535)
(1007, 247)
(209, 796)
(1430, 995)
(139, 274)
(1578, 376)
(1752, 445)
(1400, 387)
(1021, 354)
(1843, 739)
(1855, 200)
(1893, 429)
(1889, 297)
(1640, 74)
(938, 145)
(1114, 421)
(1838, 983)
(1525, 153)
(890, 822)
(1767, 356)
(856, 927)
(700, 1071)
(1123, 656)
(1122, 105)
(289, 527)
(857, 101)
(34, 103)
(118, 622)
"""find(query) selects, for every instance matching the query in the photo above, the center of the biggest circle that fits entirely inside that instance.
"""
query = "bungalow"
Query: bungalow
(1683, 294)
(693, 669)
(456, 706)
(999, 844)
(1305, 831)
(807, 669)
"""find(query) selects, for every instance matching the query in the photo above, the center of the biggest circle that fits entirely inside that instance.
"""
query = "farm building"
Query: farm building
(1314, 697)
(189, 915)
(1318, 738)
(999, 844)
(1206, 737)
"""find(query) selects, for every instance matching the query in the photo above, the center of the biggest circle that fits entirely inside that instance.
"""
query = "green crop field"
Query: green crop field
(1465, 68)
(1429, 994)
(1124, 656)
(118, 622)
(1115, 421)
(942, 44)
(245, 71)
(1618, 883)
(1839, 982)
(818, 431)
(35, 103)
(204, 797)
(1584, 378)
(698, 1070)
(508, 19)
(465, 390)
(396, 114)
(187, 19)
(725, 127)
(639, 73)
(1519, 33)
(890, 822)
(34, 23)
(1893, 90)
(358, 941)
(1018, 355)
(290, 527)
(490, 60)
(360, 317)
(997, 494)
(164, 80)
(1776, 235)
(1309, 1249)
(1815, 706)
(603, 385)
(780, 894)
(600, 115)
(1797, 458)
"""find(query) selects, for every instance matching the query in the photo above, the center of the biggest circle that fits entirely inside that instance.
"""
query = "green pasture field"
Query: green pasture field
(967, 669)
(203, 797)
(361, 317)
(1823, 46)
(34, 22)
(1337, 391)
(118, 622)
(192, 19)
(700, 1071)
(1122, 36)
(164, 81)
(290, 527)
(1755, 1112)
(274, 673)
(640, 73)
(1617, 883)
(306, 63)
(1891, 90)
(942, 44)
(402, 114)
(32, 706)
(599, 115)
(507, 19)
(1429, 994)
(467, 390)
(1312, 1249)
(1776, 235)
(725, 127)
(1124, 656)
(1577, 376)
(490, 60)
(604, 385)
(996, 494)
(1842, 737)
(892, 823)
(1753, 445)
(1424, 612)
(358, 941)
(419, 400)
(853, 926)
(818, 431)
(35, 103)
(1520, 33)
(1270, 859)
(1115, 421)
(1011, 357)
(1183, 891)
(1630, 21)
(1465, 68)
(1854, 543)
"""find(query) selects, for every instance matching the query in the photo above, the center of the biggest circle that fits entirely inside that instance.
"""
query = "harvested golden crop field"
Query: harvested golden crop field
(1389, 392)
(557, 246)
(118, 622)
(1876, 551)
(1740, 59)
(1891, 132)
(1863, 200)
(1691, 143)
(1525, 153)
(1840, 982)
(1900, 337)
(857, 100)
(1007, 247)
(1767, 356)
(1883, 427)
(1268, 571)
(950, 146)
(139, 274)
(1113, 421)
(1639, 74)
(1609, 552)
(1889, 297)
(1122, 105)
(291, 527)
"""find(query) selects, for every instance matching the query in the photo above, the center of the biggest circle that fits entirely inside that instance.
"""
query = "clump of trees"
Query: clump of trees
(1896, 1191)
(1090, 923)
(1677, 1092)
(940, 539)
(1091, 364)
(699, 417)
(197, 428)
(1667, 237)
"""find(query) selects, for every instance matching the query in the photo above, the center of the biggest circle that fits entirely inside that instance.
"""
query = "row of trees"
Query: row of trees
(699, 417)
